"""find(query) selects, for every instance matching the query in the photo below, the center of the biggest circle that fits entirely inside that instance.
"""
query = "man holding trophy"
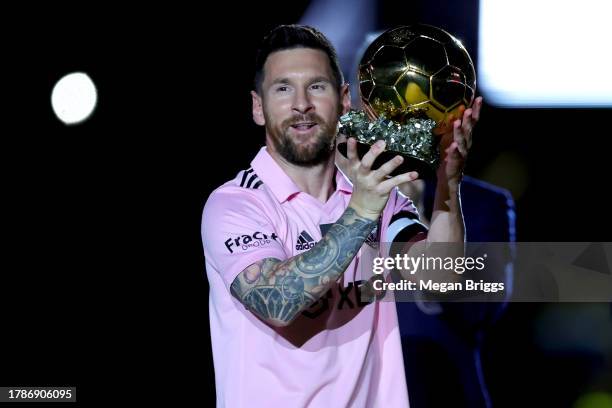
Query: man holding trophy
(283, 240)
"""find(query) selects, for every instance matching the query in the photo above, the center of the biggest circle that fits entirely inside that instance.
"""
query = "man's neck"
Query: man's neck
(317, 181)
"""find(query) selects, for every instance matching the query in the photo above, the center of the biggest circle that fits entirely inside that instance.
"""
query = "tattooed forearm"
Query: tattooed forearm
(277, 291)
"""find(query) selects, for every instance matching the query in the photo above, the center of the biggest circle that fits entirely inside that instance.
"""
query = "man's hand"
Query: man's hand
(456, 143)
(371, 188)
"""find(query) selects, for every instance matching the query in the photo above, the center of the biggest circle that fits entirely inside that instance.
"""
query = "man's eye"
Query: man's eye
(318, 86)
(282, 89)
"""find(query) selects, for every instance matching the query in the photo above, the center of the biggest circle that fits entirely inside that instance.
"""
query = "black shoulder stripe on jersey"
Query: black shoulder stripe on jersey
(244, 176)
(251, 180)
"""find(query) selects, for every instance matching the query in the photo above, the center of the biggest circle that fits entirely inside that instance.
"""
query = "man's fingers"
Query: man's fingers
(459, 138)
(389, 184)
(368, 159)
(351, 148)
(476, 109)
(453, 152)
(388, 167)
(467, 122)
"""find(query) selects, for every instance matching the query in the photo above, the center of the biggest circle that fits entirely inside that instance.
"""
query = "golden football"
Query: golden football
(417, 71)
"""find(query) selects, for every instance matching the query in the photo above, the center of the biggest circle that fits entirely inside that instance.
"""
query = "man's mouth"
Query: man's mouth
(303, 126)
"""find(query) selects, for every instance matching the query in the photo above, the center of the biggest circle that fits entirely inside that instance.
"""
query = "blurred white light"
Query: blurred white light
(545, 52)
(74, 98)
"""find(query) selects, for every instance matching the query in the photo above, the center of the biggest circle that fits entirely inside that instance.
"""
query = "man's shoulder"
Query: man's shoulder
(246, 183)
(488, 211)
(241, 193)
(475, 188)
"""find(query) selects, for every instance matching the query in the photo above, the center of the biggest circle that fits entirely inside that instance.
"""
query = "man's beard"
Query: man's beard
(315, 153)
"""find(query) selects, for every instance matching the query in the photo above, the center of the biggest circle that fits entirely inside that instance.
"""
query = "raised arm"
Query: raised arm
(277, 291)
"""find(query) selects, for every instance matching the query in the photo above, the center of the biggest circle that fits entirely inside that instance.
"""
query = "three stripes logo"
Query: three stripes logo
(250, 180)
(304, 242)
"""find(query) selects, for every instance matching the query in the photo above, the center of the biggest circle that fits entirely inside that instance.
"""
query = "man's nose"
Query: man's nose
(302, 103)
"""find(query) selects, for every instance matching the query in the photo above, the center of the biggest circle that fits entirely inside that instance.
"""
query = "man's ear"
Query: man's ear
(345, 98)
(258, 116)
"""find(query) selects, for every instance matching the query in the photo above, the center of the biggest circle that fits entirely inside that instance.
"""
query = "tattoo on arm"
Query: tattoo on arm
(277, 291)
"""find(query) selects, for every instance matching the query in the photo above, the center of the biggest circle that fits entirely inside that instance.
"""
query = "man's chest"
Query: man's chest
(300, 227)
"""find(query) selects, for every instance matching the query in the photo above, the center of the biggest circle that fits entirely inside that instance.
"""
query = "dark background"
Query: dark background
(103, 272)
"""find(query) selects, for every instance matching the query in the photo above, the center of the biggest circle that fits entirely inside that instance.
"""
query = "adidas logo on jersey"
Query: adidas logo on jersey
(304, 242)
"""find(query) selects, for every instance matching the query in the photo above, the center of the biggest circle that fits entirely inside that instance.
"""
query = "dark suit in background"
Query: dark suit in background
(441, 341)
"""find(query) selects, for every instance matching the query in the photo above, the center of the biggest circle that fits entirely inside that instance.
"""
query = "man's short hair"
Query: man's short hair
(286, 37)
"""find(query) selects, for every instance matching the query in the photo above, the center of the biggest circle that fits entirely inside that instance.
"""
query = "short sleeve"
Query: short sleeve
(404, 225)
(403, 204)
(236, 233)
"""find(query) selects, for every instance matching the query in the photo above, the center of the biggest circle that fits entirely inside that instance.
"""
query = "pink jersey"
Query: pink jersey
(341, 352)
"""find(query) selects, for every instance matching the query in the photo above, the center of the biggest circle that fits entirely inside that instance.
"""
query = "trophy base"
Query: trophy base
(425, 170)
